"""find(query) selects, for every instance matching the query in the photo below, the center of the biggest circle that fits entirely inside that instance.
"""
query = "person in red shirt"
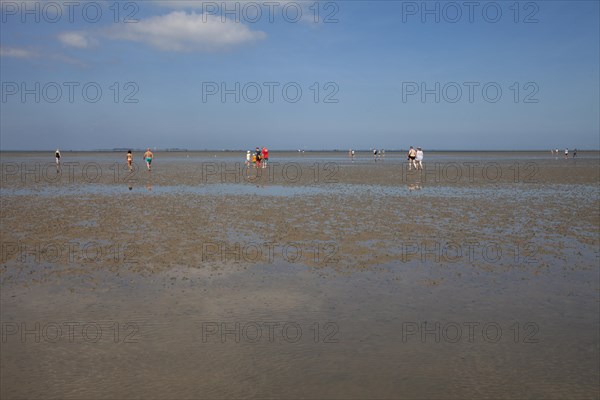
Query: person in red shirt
(265, 156)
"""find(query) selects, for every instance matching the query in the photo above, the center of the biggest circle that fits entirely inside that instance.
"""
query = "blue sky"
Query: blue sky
(362, 75)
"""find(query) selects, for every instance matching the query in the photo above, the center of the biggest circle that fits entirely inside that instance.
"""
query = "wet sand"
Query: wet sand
(317, 277)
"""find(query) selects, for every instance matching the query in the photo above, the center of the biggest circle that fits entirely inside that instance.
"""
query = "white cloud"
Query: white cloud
(16, 52)
(186, 32)
(268, 11)
(75, 39)
(181, 4)
(210, 5)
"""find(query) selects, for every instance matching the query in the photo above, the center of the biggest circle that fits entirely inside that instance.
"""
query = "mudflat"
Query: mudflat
(318, 276)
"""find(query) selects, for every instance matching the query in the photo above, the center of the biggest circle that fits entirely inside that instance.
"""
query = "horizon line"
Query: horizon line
(181, 150)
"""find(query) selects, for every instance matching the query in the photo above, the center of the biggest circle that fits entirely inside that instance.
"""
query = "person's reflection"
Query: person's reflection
(414, 186)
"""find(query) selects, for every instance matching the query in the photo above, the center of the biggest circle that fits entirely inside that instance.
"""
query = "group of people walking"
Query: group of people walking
(415, 158)
(148, 157)
(378, 154)
(555, 152)
(260, 157)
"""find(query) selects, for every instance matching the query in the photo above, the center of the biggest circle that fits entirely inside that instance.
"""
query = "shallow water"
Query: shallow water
(524, 193)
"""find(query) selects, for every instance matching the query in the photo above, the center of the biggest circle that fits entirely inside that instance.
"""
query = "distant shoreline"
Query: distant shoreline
(121, 150)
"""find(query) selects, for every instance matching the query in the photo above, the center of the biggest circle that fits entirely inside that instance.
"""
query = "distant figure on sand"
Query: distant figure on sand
(57, 157)
(574, 153)
(248, 158)
(258, 157)
(419, 158)
(148, 157)
(129, 160)
(265, 156)
(566, 153)
(412, 155)
(375, 154)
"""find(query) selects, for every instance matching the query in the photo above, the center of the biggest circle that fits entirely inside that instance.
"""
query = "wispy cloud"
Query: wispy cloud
(37, 56)
(181, 4)
(17, 52)
(252, 11)
(177, 31)
(211, 5)
(78, 39)
(245, 10)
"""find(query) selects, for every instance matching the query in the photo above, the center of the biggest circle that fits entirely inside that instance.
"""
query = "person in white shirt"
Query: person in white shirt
(57, 156)
(419, 158)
